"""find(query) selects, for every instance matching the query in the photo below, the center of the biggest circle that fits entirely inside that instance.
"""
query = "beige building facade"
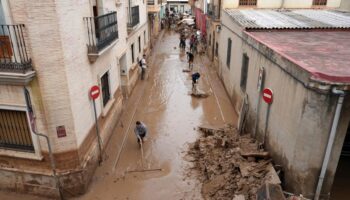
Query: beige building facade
(52, 52)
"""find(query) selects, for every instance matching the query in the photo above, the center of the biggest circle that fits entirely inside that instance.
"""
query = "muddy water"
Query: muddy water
(162, 102)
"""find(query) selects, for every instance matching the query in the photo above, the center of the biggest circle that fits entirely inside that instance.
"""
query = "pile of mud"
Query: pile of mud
(229, 164)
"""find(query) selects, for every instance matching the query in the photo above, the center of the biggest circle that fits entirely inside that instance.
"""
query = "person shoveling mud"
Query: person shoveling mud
(229, 164)
(140, 131)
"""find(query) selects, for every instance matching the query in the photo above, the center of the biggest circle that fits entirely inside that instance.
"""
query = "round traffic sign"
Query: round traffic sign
(94, 92)
(268, 95)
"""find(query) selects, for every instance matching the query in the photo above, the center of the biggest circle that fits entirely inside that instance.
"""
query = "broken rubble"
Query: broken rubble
(223, 170)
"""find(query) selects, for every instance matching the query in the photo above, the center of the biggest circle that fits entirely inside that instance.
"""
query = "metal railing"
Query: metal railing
(14, 131)
(213, 11)
(134, 17)
(102, 31)
(150, 2)
(14, 56)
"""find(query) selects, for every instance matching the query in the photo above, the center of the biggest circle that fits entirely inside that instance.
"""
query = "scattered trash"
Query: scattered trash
(230, 166)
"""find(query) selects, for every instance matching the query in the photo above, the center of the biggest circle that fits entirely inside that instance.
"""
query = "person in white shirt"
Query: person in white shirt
(143, 67)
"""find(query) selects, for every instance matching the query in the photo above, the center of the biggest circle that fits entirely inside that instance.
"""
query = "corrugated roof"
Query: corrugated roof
(290, 19)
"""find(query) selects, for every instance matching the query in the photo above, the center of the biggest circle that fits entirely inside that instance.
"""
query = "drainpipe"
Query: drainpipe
(330, 140)
(52, 160)
(282, 4)
(53, 163)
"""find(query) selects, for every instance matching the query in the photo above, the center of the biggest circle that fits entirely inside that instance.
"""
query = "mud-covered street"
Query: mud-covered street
(163, 103)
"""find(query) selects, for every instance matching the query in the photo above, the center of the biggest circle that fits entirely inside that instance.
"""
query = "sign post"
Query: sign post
(268, 98)
(94, 93)
(259, 87)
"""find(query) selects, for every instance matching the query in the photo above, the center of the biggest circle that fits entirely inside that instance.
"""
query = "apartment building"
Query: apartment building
(137, 43)
(154, 8)
(52, 53)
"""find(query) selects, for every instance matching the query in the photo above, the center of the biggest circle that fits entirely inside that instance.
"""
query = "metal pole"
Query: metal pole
(98, 135)
(330, 141)
(260, 86)
(266, 123)
(257, 114)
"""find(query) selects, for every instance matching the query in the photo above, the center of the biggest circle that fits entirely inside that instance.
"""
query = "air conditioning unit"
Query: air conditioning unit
(218, 28)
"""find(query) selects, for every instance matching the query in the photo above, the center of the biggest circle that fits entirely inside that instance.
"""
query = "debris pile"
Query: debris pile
(230, 166)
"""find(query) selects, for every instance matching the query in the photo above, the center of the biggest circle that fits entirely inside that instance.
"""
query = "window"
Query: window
(216, 49)
(209, 39)
(244, 72)
(132, 54)
(228, 57)
(247, 2)
(139, 44)
(105, 88)
(14, 131)
(144, 37)
(319, 2)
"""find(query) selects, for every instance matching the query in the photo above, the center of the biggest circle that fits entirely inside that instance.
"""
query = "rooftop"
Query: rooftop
(324, 54)
(290, 19)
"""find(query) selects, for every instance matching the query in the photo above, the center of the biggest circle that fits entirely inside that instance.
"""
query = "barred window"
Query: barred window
(244, 72)
(319, 2)
(228, 56)
(105, 88)
(247, 2)
(15, 133)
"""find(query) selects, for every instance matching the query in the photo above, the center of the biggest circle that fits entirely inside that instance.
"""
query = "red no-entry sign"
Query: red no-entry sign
(94, 92)
(268, 95)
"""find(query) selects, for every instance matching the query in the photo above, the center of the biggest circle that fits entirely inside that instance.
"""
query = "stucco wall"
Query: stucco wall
(300, 118)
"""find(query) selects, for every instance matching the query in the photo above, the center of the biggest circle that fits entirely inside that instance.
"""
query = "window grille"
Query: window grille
(105, 88)
(14, 131)
(244, 72)
(247, 2)
(319, 2)
(228, 58)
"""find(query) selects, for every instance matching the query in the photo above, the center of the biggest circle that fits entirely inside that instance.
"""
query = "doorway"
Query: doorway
(340, 190)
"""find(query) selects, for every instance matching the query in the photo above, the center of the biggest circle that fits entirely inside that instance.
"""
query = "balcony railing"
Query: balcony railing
(213, 11)
(13, 50)
(102, 31)
(134, 17)
(150, 2)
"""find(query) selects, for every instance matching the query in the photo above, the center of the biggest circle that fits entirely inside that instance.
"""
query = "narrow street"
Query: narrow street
(163, 103)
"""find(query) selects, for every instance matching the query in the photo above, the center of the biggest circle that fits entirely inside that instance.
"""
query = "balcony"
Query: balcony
(102, 34)
(134, 18)
(15, 63)
(213, 12)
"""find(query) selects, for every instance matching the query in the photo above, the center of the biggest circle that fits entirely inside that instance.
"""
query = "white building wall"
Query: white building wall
(78, 65)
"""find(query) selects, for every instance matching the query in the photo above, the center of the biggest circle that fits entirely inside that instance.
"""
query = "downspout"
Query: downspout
(330, 140)
(52, 160)
(53, 163)
(282, 4)
(219, 14)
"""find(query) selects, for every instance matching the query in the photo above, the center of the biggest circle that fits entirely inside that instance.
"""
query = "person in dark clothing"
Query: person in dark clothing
(195, 78)
(140, 131)
(190, 58)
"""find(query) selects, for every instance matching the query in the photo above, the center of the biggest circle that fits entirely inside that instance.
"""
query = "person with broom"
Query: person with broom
(140, 131)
